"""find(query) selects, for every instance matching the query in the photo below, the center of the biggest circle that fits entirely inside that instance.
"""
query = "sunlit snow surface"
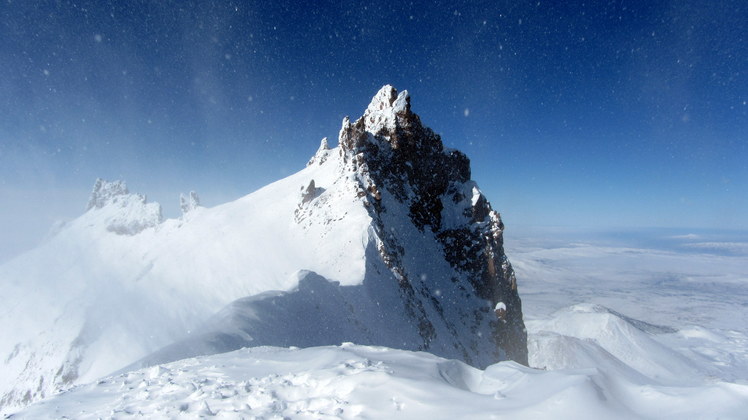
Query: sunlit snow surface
(616, 331)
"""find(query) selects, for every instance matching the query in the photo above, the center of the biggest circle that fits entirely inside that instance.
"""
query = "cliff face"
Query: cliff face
(403, 167)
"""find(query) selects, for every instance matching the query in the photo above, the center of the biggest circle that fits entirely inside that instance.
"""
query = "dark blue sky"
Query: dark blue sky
(596, 114)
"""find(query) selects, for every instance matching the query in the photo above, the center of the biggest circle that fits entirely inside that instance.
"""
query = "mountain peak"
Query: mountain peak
(383, 240)
(388, 119)
(387, 100)
(387, 114)
(405, 172)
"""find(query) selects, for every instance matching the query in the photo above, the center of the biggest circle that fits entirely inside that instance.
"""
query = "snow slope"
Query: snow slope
(694, 303)
(596, 362)
(352, 381)
(91, 300)
(362, 245)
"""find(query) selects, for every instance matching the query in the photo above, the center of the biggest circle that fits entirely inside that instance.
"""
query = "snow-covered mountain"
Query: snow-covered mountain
(382, 240)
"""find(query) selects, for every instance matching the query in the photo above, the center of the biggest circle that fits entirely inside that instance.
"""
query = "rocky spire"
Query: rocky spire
(402, 163)
(322, 153)
(105, 192)
(189, 202)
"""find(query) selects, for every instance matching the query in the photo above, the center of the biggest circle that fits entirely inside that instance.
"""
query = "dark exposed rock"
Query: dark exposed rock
(393, 151)
(308, 193)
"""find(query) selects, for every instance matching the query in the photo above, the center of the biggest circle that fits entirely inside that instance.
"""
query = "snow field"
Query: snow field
(351, 381)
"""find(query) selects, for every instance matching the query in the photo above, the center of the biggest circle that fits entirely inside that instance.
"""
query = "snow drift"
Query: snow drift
(352, 382)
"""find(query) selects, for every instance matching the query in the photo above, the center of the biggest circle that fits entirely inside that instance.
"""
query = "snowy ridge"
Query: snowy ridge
(92, 300)
(121, 212)
(361, 234)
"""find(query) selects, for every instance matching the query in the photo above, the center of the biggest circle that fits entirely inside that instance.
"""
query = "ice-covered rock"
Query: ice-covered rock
(322, 153)
(105, 192)
(189, 202)
(122, 212)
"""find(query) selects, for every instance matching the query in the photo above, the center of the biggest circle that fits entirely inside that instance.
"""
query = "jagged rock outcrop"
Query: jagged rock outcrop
(322, 153)
(401, 163)
(308, 193)
(124, 213)
(105, 193)
(189, 202)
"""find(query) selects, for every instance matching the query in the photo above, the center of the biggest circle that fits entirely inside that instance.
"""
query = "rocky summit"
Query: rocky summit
(402, 163)
(382, 240)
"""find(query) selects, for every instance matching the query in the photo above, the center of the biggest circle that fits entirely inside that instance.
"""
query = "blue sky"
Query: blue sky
(583, 114)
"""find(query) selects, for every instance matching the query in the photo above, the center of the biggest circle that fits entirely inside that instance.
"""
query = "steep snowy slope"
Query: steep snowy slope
(381, 240)
(95, 298)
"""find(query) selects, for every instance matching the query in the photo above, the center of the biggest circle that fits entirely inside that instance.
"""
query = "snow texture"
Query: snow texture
(352, 381)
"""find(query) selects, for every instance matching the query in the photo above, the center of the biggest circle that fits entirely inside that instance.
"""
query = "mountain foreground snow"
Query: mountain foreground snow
(685, 355)
(584, 379)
